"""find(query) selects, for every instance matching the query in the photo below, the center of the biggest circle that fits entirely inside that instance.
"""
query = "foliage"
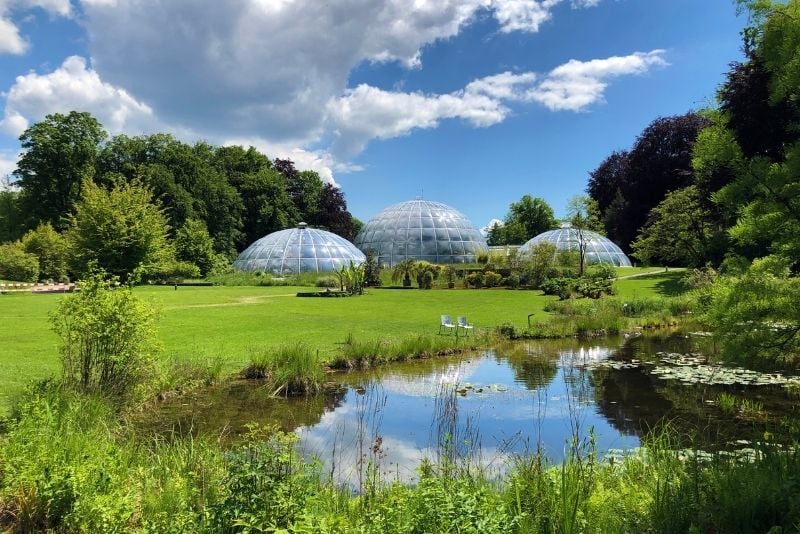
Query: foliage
(404, 270)
(193, 244)
(491, 279)
(679, 230)
(290, 369)
(59, 154)
(583, 212)
(629, 184)
(561, 287)
(11, 216)
(540, 264)
(425, 273)
(332, 213)
(372, 270)
(757, 315)
(51, 249)
(526, 218)
(351, 278)
(119, 231)
(170, 271)
(18, 265)
(327, 281)
(107, 338)
(267, 484)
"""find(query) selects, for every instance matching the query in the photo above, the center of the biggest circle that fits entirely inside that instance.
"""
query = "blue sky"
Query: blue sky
(469, 102)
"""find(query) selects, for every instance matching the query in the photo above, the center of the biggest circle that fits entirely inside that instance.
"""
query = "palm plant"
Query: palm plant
(404, 270)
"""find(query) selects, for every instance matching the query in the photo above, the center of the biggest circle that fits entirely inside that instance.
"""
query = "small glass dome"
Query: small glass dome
(298, 250)
(421, 230)
(599, 249)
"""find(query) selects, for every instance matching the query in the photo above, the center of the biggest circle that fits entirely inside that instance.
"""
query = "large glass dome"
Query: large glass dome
(298, 250)
(421, 230)
(599, 249)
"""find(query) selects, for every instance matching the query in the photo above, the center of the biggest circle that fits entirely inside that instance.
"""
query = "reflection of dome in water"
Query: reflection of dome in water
(421, 230)
(599, 249)
(298, 250)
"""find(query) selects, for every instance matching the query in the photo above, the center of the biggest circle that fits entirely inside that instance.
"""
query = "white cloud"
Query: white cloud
(8, 163)
(269, 68)
(320, 161)
(578, 84)
(367, 113)
(488, 226)
(73, 86)
(11, 40)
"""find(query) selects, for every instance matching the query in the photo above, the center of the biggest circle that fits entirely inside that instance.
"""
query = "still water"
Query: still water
(486, 406)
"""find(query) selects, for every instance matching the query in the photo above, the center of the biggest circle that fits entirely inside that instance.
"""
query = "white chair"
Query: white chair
(462, 323)
(447, 324)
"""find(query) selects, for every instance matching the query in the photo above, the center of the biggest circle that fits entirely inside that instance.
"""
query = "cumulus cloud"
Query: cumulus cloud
(73, 86)
(8, 162)
(578, 84)
(367, 113)
(11, 40)
(267, 67)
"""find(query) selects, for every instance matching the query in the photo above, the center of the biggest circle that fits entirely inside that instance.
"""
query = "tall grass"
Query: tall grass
(354, 354)
(67, 464)
(290, 369)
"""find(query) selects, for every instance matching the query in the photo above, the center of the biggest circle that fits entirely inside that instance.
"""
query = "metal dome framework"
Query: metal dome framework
(421, 230)
(298, 250)
(599, 249)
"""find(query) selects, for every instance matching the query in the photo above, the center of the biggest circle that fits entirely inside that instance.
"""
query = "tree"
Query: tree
(194, 245)
(120, 231)
(659, 162)
(404, 270)
(17, 265)
(534, 215)
(107, 338)
(267, 206)
(60, 153)
(540, 264)
(332, 213)
(583, 212)
(50, 248)
(11, 218)
(678, 230)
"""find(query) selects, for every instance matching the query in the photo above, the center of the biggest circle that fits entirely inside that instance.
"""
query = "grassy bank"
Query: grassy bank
(101, 478)
(226, 324)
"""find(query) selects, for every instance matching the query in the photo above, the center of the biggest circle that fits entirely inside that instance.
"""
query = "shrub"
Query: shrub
(18, 265)
(171, 272)
(474, 280)
(50, 248)
(327, 281)
(561, 287)
(491, 279)
(106, 336)
(512, 281)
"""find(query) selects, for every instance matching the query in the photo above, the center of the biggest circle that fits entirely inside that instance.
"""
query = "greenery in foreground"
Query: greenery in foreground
(101, 477)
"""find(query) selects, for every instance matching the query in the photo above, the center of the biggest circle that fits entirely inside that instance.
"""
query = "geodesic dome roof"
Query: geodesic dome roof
(599, 249)
(421, 230)
(298, 250)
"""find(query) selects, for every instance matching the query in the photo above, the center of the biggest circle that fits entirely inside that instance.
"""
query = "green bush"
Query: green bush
(18, 265)
(474, 280)
(491, 279)
(171, 272)
(561, 287)
(327, 281)
(107, 338)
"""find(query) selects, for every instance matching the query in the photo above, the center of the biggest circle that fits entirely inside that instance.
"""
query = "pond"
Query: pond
(485, 406)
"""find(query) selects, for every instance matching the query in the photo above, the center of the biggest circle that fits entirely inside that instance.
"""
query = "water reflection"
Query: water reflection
(479, 408)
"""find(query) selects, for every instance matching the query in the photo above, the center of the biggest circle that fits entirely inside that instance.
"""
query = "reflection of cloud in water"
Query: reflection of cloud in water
(430, 384)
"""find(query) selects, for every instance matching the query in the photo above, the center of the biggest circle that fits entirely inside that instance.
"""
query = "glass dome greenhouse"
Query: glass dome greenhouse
(298, 250)
(599, 249)
(421, 230)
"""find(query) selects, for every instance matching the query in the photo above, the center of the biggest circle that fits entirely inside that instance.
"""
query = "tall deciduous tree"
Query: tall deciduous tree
(120, 231)
(59, 154)
(194, 245)
(628, 186)
(332, 213)
(679, 230)
(526, 219)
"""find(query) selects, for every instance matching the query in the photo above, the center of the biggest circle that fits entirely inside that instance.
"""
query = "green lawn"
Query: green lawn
(229, 321)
